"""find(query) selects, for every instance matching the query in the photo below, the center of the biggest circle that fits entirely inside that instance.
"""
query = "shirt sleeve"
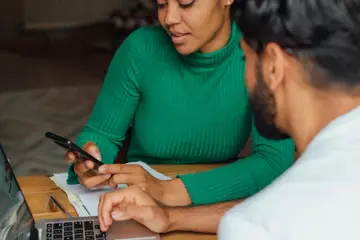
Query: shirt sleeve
(244, 177)
(115, 106)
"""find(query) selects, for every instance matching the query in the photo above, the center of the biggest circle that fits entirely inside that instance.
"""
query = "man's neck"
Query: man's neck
(307, 123)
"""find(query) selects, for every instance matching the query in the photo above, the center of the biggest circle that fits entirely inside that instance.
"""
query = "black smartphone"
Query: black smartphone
(72, 147)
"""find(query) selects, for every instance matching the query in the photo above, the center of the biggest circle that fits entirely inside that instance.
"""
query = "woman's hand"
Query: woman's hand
(132, 203)
(170, 192)
(84, 169)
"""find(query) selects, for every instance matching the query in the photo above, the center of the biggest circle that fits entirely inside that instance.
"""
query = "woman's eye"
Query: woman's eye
(160, 3)
(186, 3)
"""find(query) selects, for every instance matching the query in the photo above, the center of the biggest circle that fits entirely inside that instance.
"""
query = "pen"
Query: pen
(52, 198)
(86, 210)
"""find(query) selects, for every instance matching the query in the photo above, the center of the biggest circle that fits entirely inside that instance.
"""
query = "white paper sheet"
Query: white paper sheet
(86, 201)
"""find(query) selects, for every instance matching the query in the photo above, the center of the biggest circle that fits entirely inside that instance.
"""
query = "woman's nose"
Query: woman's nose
(172, 15)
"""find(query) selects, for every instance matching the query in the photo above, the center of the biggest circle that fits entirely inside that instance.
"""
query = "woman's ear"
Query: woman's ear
(228, 3)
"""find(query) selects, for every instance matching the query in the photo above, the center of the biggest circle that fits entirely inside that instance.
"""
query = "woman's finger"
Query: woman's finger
(93, 150)
(129, 179)
(70, 157)
(112, 185)
(111, 168)
(80, 168)
(95, 181)
(132, 168)
(83, 167)
(121, 168)
(89, 164)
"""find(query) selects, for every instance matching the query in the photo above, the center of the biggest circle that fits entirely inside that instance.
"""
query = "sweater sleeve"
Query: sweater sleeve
(244, 177)
(115, 106)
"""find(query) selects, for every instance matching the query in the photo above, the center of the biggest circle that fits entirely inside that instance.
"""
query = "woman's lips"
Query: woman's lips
(178, 38)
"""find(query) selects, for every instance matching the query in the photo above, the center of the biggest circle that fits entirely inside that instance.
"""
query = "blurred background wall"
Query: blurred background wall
(54, 56)
(50, 14)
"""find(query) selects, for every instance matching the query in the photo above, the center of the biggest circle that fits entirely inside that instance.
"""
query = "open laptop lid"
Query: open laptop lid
(16, 220)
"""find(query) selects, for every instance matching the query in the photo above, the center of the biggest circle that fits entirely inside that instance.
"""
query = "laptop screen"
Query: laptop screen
(16, 221)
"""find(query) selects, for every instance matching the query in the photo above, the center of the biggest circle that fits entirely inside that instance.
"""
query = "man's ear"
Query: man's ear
(273, 65)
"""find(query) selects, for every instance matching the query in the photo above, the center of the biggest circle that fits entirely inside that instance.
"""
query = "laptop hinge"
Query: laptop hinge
(34, 235)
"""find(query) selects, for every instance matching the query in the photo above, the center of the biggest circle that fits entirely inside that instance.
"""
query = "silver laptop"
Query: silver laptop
(17, 222)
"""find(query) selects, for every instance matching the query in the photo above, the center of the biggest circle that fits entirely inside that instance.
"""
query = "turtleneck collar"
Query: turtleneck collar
(213, 59)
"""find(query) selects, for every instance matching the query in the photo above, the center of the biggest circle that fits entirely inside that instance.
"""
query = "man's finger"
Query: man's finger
(139, 214)
(110, 200)
(120, 215)
(102, 226)
(95, 181)
(119, 212)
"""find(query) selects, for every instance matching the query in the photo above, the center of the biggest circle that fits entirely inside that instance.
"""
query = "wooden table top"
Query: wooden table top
(37, 190)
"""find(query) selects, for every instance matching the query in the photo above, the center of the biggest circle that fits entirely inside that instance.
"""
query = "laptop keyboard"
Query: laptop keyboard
(86, 230)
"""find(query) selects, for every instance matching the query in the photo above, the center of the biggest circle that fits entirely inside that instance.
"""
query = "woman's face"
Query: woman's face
(194, 24)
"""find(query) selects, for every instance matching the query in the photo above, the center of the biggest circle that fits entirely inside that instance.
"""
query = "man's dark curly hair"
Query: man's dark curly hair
(323, 34)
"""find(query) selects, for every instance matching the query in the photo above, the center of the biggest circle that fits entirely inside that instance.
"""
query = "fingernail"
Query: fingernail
(106, 176)
(101, 169)
(117, 215)
(97, 156)
(94, 149)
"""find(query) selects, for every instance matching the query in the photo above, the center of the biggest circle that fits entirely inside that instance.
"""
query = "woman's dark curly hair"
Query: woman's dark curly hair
(323, 34)
(235, 9)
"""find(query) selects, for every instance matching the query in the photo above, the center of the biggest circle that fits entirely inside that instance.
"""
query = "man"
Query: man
(303, 76)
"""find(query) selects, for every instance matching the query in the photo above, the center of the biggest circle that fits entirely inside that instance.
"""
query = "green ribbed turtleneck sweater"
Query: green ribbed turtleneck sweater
(184, 110)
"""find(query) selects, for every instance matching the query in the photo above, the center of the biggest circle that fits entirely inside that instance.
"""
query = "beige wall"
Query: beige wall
(11, 18)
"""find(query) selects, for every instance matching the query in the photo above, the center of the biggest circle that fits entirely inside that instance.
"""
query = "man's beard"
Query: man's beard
(264, 107)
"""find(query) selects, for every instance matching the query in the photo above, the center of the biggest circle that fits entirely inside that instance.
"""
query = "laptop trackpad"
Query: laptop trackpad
(130, 230)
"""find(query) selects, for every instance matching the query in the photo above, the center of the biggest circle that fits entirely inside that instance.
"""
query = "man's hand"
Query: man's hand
(132, 203)
(170, 193)
(83, 169)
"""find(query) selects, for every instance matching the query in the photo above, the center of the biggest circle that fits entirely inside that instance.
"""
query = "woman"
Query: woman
(183, 89)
